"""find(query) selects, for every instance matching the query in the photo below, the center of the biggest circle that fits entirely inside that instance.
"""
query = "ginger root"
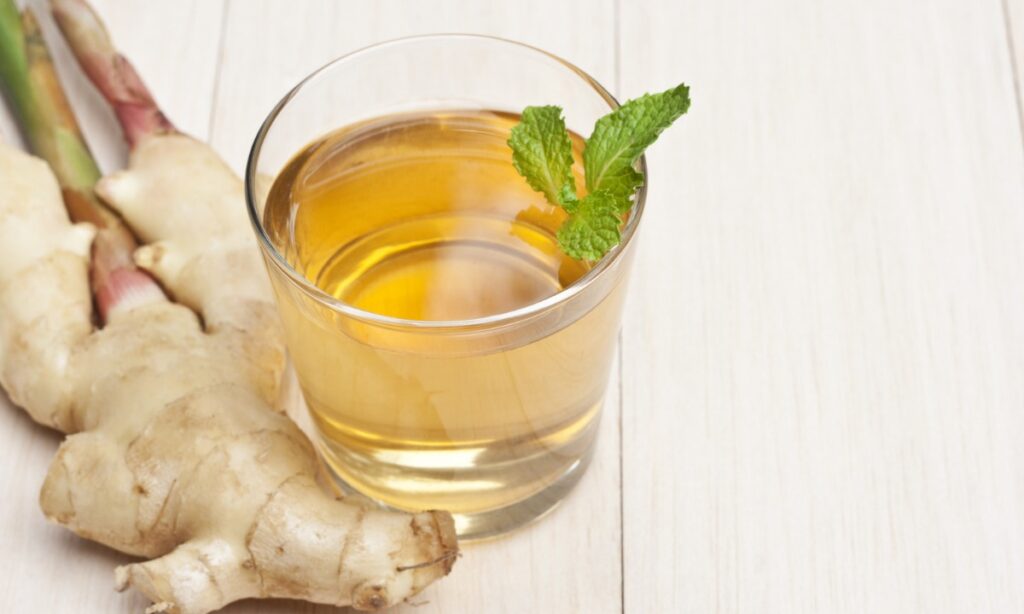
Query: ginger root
(176, 454)
(174, 451)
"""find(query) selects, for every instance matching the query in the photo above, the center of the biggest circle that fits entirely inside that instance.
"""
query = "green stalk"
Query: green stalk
(14, 68)
(29, 80)
(39, 103)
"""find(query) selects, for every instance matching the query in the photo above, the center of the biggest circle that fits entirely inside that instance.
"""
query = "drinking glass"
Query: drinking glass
(493, 418)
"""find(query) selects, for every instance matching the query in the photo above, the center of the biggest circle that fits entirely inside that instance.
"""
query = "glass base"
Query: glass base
(497, 522)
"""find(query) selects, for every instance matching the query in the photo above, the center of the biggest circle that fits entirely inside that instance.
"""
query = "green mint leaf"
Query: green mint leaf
(620, 137)
(542, 153)
(592, 228)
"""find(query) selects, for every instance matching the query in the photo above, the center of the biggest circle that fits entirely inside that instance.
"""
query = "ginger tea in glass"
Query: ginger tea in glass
(450, 354)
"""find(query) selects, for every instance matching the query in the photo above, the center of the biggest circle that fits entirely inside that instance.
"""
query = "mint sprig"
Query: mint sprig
(542, 153)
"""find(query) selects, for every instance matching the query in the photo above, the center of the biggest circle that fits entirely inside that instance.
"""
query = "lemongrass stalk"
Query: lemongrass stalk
(111, 73)
(30, 81)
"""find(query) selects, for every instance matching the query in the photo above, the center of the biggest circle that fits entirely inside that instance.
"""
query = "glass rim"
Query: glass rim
(505, 317)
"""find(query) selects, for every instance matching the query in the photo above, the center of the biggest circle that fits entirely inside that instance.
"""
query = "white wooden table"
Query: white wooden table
(820, 400)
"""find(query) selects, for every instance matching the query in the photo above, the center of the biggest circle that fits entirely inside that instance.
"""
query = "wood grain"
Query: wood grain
(823, 355)
(1013, 14)
(822, 359)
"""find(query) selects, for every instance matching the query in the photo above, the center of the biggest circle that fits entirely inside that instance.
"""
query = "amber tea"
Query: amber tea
(422, 218)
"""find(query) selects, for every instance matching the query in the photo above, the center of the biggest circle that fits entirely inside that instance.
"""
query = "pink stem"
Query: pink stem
(111, 73)
(124, 289)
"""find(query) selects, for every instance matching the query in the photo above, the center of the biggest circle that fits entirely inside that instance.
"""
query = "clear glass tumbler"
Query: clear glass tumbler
(493, 417)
